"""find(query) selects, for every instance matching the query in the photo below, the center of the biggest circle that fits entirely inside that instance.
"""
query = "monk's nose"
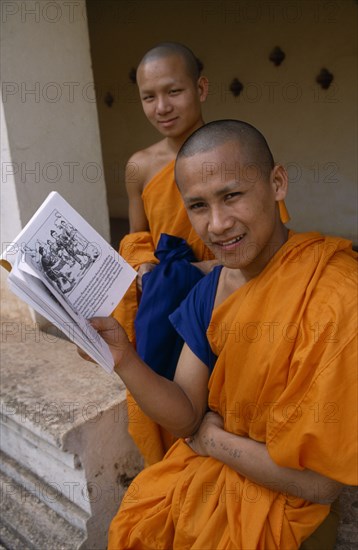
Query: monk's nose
(163, 105)
(219, 221)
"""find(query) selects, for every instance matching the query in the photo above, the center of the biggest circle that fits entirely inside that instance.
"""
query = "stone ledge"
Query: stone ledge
(23, 480)
(41, 527)
(64, 421)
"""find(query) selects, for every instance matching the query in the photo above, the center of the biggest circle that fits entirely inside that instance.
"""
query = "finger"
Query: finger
(103, 323)
(84, 355)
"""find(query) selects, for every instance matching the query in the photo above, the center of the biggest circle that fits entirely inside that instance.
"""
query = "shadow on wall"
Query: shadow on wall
(118, 227)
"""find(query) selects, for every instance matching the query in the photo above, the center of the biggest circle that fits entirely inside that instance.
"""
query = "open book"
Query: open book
(68, 273)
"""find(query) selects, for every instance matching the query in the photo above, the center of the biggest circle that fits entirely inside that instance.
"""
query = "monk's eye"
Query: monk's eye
(231, 196)
(147, 97)
(197, 206)
(175, 91)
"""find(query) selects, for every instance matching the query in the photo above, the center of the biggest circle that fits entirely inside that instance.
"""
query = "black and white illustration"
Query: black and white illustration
(67, 272)
(61, 252)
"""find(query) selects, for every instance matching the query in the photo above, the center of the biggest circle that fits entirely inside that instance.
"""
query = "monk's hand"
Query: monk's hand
(112, 333)
(84, 355)
(204, 438)
(147, 267)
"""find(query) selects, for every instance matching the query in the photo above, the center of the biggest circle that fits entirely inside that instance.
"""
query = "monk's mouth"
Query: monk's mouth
(230, 242)
(167, 122)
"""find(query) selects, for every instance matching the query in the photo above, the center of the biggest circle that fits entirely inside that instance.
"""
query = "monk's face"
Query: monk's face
(232, 205)
(170, 98)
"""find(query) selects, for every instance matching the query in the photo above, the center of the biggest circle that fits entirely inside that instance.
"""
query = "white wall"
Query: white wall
(50, 111)
(313, 131)
(10, 223)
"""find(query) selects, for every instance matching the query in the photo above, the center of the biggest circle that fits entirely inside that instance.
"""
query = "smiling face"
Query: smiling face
(171, 99)
(232, 205)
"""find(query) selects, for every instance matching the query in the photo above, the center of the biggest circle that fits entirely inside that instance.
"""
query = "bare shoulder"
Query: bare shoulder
(144, 164)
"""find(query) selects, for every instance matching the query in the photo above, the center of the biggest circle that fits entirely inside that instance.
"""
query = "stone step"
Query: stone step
(9, 540)
(27, 523)
(36, 486)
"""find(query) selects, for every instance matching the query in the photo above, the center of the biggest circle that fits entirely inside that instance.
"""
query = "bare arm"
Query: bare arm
(135, 179)
(251, 459)
(178, 405)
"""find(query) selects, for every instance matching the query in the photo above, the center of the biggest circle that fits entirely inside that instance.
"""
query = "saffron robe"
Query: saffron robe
(165, 213)
(286, 375)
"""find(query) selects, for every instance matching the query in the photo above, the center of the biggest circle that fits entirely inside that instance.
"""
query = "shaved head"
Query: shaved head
(214, 134)
(166, 49)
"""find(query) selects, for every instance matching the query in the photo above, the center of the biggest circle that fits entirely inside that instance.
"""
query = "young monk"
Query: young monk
(263, 399)
(172, 91)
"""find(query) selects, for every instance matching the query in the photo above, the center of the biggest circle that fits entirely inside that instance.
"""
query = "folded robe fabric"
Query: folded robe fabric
(286, 375)
(164, 288)
(136, 249)
(166, 213)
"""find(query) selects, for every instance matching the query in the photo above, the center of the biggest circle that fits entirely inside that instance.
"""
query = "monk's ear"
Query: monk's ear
(203, 88)
(279, 182)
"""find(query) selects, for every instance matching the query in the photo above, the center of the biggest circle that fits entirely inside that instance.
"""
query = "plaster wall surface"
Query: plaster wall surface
(312, 131)
(50, 111)
(10, 215)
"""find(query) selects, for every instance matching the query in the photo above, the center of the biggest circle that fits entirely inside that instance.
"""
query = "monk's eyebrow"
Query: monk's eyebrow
(191, 200)
(145, 91)
(169, 83)
(227, 189)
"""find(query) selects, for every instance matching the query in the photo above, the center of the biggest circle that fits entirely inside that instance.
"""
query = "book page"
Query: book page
(33, 292)
(72, 259)
(67, 272)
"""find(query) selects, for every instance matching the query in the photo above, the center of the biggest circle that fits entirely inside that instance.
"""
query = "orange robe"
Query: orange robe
(286, 375)
(166, 213)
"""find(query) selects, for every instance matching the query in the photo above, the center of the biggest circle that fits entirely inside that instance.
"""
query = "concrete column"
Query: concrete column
(50, 133)
(10, 214)
(50, 112)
